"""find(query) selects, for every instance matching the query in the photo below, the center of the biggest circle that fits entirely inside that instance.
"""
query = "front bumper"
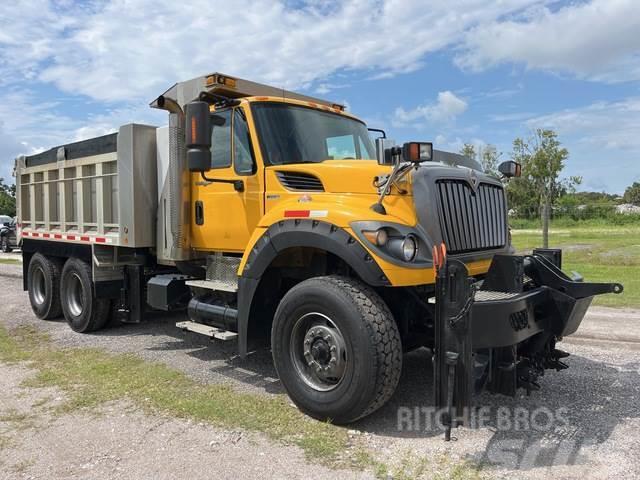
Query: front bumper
(526, 295)
(500, 335)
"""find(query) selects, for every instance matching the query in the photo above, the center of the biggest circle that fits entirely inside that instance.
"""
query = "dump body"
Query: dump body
(102, 190)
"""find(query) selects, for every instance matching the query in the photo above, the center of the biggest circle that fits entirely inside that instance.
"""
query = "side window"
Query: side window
(365, 152)
(221, 139)
(242, 157)
(339, 148)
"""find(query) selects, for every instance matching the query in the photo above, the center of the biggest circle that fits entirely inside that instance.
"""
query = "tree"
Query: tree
(468, 150)
(632, 194)
(7, 199)
(487, 156)
(489, 159)
(542, 158)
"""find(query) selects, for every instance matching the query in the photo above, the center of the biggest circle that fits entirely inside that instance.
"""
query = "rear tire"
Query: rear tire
(336, 348)
(82, 310)
(43, 285)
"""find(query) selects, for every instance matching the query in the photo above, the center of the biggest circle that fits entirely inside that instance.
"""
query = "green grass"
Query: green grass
(9, 261)
(90, 377)
(600, 253)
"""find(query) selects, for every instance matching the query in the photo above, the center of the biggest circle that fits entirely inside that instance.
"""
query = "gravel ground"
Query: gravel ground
(120, 442)
(584, 422)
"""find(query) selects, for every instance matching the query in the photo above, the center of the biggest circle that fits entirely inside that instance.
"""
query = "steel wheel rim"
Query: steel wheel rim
(75, 298)
(318, 351)
(39, 286)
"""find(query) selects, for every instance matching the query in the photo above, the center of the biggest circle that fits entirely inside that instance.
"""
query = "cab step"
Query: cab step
(221, 276)
(215, 285)
(207, 330)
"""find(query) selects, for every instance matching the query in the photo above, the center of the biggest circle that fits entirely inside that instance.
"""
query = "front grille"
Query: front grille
(471, 221)
(300, 181)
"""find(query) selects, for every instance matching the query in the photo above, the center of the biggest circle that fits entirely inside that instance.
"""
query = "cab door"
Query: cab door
(224, 215)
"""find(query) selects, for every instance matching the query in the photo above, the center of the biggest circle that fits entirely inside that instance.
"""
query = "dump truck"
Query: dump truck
(267, 214)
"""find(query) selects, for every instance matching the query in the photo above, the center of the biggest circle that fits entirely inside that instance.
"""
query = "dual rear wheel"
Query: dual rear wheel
(56, 288)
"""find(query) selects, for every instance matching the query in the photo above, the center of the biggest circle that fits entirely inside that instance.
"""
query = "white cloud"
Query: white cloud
(324, 88)
(445, 109)
(29, 125)
(126, 49)
(603, 142)
(597, 40)
(612, 125)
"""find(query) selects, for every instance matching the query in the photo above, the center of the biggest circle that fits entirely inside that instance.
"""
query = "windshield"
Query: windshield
(293, 134)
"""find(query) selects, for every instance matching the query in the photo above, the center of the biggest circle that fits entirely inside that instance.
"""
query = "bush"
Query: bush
(567, 221)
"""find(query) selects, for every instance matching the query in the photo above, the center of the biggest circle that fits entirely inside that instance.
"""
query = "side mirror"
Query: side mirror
(198, 136)
(510, 169)
(7, 224)
(417, 152)
(383, 146)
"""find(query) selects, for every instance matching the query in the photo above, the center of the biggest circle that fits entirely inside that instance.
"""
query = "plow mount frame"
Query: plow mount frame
(500, 333)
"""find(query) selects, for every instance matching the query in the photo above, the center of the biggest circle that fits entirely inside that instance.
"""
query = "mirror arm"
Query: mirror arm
(378, 130)
(238, 185)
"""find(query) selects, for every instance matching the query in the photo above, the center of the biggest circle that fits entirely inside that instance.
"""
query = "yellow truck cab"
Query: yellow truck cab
(264, 213)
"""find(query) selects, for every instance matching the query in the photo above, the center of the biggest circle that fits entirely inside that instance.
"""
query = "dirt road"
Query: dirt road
(583, 423)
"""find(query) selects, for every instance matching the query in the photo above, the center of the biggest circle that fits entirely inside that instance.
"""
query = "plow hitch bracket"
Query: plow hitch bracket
(453, 355)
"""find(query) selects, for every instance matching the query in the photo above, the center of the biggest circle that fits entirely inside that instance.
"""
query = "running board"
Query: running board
(214, 285)
(207, 331)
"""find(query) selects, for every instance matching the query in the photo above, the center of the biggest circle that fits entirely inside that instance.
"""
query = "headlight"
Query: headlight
(409, 248)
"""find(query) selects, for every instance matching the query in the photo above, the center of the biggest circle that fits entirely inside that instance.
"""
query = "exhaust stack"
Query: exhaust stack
(174, 178)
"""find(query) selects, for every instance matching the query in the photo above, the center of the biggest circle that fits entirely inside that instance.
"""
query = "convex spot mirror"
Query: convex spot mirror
(510, 169)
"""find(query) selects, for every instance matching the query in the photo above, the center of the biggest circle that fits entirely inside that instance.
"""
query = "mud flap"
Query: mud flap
(453, 355)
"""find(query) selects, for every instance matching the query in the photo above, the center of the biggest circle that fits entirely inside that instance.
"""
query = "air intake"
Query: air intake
(300, 181)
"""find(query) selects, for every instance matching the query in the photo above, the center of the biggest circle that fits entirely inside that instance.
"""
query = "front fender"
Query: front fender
(286, 234)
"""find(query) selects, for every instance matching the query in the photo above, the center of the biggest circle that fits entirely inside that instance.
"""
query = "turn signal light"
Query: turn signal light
(378, 237)
(212, 80)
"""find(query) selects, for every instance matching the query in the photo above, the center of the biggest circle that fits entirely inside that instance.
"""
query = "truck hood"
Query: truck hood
(341, 176)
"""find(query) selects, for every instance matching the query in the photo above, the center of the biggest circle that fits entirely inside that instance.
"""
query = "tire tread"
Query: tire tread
(383, 332)
(101, 307)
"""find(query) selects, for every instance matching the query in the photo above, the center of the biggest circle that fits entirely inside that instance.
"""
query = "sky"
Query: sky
(449, 72)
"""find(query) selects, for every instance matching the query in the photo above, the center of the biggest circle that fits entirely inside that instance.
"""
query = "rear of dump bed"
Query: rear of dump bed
(98, 191)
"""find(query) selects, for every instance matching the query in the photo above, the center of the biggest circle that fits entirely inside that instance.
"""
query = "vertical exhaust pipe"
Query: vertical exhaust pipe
(179, 210)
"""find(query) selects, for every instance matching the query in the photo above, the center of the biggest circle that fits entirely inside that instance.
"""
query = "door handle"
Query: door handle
(199, 212)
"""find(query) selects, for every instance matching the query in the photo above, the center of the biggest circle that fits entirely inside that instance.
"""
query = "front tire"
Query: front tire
(336, 348)
(82, 310)
(43, 285)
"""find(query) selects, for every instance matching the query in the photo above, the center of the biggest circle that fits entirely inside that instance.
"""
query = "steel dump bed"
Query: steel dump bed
(102, 190)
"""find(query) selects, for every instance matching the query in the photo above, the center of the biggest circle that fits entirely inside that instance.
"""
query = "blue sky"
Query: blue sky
(449, 72)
